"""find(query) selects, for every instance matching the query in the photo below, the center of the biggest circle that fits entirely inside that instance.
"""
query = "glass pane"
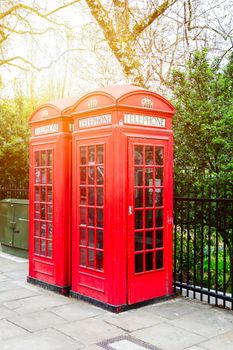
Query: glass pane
(37, 194)
(49, 189)
(37, 246)
(100, 196)
(37, 211)
(82, 258)
(91, 218)
(100, 217)
(37, 158)
(138, 219)
(138, 176)
(82, 235)
(159, 156)
(83, 155)
(100, 154)
(138, 263)
(50, 249)
(159, 217)
(82, 216)
(43, 194)
(43, 158)
(100, 260)
(83, 195)
(100, 242)
(91, 196)
(138, 241)
(37, 228)
(37, 176)
(149, 155)
(149, 218)
(91, 155)
(149, 176)
(43, 172)
(49, 158)
(159, 238)
(50, 230)
(91, 175)
(159, 177)
(138, 155)
(91, 258)
(100, 175)
(159, 259)
(149, 197)
(43, 229)
(91, 237)
(149, 240)
(83, 171)
(159, 197)
(43, 247)
(138, 198)
(149, 261)
(43, 212)
(49, 175)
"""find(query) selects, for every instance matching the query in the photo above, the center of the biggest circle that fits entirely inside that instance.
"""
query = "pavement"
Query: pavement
(32, 318)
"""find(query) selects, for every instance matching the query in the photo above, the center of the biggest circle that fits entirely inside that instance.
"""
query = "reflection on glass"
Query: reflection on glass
(83, 155)
(91, 195)
(138, 263)
(138, 219)
(43, 171)
(100, 242)
(100, 154)
(82, 235)
(100, 196)
(50, 175)
(149, 261)
(37, 211)
(138, 176)
(159, 156)
(37, 228)
(83, 176)
(37, 176)
(50, 230)
(91, 258)
(43, 194)
(149, 155)
(43, 229)
(43, 212)
(91, 175)
(100, 260)
(149, 240)
(49, 158)
(43, 247)
(83, 195)
(159, 238)
(138, 198)
(159, 217)
(138, 155)
(82, 216)
(37, 194)
(37, 158)
(49, 249)
(149, 218)
(91, 237)
(149, 176)
(43, 158)
(149, 197)
(82, 258)
(159, 197)
(37, 246)
(100, 175)
(159, 259)
(49, 189)
(91, 154)
(91, 218)
(138, 241)
(100, 217)
(159, 177)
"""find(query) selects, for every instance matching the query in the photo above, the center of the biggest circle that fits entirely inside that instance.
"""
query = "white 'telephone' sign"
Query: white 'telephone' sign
(145, 120)
(46, 129)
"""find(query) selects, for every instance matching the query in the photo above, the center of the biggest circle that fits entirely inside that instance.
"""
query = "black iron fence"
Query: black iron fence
(13, 191)
(203, 243)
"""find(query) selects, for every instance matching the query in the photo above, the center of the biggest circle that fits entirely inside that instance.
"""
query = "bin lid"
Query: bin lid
(14, 201)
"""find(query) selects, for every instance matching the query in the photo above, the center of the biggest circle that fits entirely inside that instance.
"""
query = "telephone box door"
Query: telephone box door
(149, 207)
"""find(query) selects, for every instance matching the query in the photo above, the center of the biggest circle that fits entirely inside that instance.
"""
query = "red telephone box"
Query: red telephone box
(122, 196)
(50, 195)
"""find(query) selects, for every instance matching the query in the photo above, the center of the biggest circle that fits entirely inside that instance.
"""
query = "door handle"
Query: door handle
(130, 211)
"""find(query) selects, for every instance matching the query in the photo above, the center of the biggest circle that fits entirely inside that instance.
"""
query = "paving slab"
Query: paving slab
(9, 330)
(207, 322)
(167, 337)
(49, 339)
(220, 342)
(90, 331)
(16, 294)
(6, 313)
(133, 319)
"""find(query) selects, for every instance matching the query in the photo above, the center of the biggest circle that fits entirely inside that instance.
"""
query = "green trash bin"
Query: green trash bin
(14, 226)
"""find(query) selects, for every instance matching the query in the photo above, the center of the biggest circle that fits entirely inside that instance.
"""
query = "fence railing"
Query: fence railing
(203, 243)
(13, 191)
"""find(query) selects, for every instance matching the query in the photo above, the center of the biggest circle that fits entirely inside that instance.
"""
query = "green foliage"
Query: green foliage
(203, 123)
(14, 136)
